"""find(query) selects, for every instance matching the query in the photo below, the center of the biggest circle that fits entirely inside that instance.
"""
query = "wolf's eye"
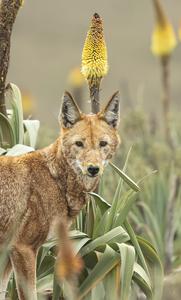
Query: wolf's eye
(103, 143)
(79, 144)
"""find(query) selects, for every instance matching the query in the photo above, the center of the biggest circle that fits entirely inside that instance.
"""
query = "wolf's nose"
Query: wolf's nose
(93, 170)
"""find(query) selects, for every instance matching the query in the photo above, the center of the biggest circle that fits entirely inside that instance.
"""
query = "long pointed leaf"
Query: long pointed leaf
(101, 202)
(116, 235)
(127, 253)
(32, 127)
(107, 262)
(143, 281)
(126, 178)
(135, 242)
(7, 133)
(13, 94)
(156, 268)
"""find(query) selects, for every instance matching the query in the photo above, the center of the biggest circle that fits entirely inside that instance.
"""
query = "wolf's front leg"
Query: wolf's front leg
(24, 264)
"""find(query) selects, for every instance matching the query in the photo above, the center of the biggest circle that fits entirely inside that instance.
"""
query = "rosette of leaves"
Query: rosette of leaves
(17, 136)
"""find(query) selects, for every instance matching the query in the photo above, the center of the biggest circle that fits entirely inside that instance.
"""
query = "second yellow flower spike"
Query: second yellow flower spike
(163, 40)
(163, 37)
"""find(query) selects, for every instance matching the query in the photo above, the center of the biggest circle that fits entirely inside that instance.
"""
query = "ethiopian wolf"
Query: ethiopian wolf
(51, 184)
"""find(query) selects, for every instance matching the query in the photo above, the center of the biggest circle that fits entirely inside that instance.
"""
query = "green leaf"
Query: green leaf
(135, 243)
(112, 284)
(19, 150)
(45, 284)
(143, 281)
(127, 253)
(116, 235)
(126, 178)
(76, 234)
(32, 127)
(101, 226)
(125, 207)
(153, 226)
(98, 292)
(80, 243)
(102, 204)
(108, 260)
(138, 270)
(56, 288)
(118, 214)
(90, 260)
(44, 250)
(156, 268)
(69, 291)
(46, 267)
(117, 196)
(13, 94)
(2, 151)
(143, 286)
(6, 132)
(1, 137)
(90, 218)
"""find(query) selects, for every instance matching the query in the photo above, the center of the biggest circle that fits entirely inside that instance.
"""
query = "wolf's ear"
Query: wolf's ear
(69, 112)
(111, 112)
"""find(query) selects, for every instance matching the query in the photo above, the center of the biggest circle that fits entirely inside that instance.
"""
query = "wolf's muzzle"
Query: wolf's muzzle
(93, 170)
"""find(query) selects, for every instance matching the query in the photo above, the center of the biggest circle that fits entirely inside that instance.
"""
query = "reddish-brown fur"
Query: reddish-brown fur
(47, 186)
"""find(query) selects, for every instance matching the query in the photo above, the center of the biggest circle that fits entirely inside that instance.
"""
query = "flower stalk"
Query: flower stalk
(162, 46)
(166, 98)
(94, 60)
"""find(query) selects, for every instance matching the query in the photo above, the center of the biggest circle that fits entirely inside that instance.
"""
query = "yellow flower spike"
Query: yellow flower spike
(94, 60)
(94, 55)
(163, 37)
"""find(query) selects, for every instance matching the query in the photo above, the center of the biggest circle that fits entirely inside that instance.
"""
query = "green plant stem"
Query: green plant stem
(94, 87)
(159, 12)
(166, 100)
(8, 12)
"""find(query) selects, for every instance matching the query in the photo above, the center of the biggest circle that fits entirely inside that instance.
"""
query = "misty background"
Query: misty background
(47, 42)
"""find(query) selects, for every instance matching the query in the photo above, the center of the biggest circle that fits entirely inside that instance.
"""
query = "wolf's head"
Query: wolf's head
(89, 141)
